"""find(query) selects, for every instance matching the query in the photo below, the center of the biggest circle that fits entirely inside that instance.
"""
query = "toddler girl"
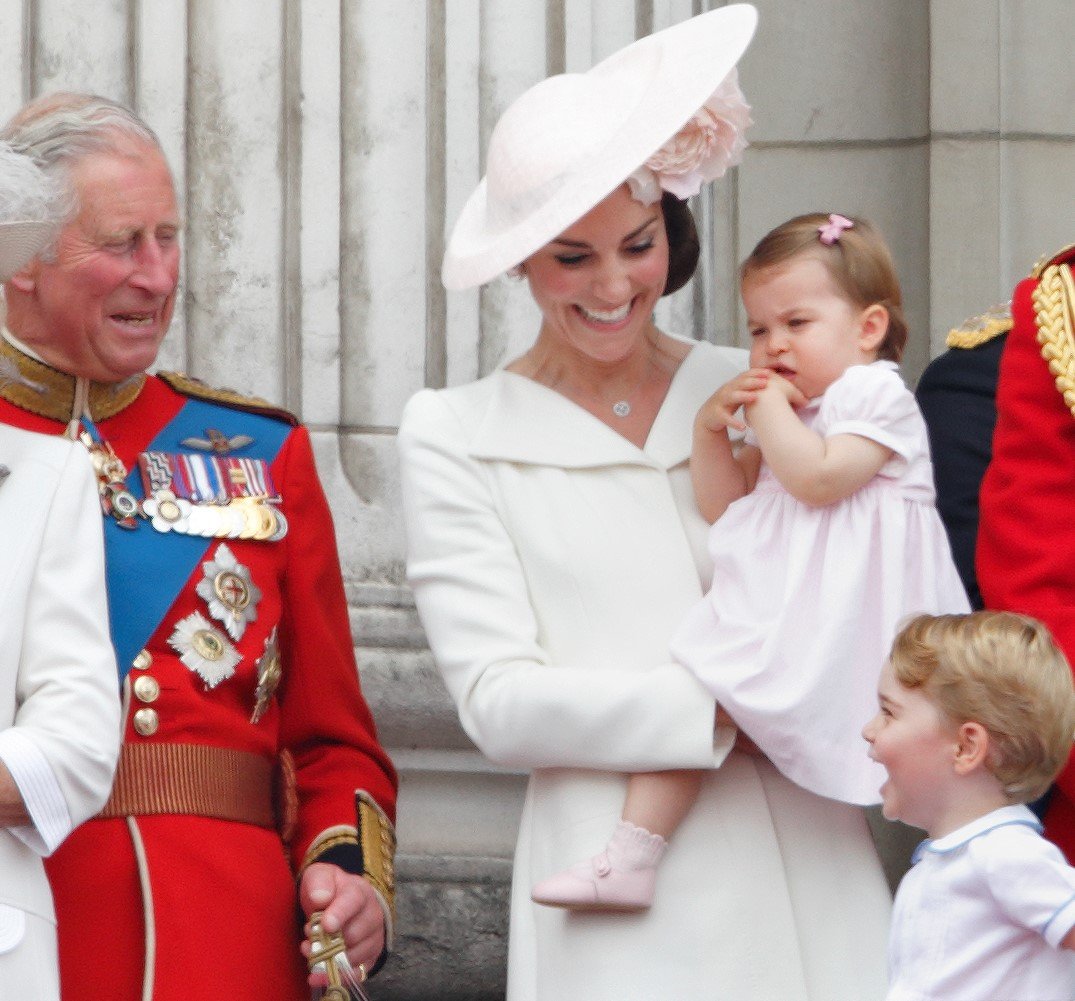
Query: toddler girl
(977, 717)
(825, 536)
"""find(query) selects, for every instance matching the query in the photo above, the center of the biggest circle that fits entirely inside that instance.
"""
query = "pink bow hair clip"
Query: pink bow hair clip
(831, 231)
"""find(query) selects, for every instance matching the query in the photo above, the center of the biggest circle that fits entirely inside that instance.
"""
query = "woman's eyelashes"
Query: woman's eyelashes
(632, 250)
(641, 248)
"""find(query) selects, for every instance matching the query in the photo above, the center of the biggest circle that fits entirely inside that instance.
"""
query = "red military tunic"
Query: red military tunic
(176, 905)
(1026, 542)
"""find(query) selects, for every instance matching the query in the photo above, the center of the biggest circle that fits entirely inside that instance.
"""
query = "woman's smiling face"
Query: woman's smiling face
(598, 282)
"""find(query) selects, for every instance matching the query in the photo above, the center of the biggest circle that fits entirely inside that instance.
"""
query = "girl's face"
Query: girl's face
(804, 328)
(597, 282)
(917, 744)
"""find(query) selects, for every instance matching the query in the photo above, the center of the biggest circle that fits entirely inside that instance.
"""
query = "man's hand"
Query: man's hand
(349, 905)
(12, 808)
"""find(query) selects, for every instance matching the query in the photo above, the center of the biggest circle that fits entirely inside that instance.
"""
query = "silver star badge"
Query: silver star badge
(204, 650)
(229, 591)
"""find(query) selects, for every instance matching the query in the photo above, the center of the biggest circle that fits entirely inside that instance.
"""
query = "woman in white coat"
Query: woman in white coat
(59, 701)
(554, 547)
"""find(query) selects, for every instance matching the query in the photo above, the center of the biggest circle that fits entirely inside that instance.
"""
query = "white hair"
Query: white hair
(59, 129)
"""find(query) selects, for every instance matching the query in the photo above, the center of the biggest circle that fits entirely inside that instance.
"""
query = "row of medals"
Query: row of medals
(240, 518)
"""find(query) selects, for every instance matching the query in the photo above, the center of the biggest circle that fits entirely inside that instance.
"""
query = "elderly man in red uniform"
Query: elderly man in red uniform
(250, 763)
(1026, 538)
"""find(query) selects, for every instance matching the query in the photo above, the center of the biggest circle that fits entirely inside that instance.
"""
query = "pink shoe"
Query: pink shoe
(621, 878)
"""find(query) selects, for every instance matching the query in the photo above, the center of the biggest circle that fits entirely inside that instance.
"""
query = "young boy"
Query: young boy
(977, 717)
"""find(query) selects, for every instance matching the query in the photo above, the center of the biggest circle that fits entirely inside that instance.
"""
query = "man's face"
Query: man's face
(102, 307)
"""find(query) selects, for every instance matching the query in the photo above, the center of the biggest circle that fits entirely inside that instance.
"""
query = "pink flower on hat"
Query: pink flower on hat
(701, 151)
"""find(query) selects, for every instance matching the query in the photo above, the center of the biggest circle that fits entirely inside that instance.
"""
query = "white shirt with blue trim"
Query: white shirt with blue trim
(981, 914)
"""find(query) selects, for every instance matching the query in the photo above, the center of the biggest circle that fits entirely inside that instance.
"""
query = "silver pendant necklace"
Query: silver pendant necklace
(622, 407)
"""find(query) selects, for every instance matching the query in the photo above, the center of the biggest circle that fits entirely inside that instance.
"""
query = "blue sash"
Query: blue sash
(147, 569)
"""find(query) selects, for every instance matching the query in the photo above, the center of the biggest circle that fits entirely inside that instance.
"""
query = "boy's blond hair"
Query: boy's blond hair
(1005, 672)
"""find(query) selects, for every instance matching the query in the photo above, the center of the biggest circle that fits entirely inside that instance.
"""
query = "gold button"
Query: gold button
(142, 661)
(146, 688)
(146, 722)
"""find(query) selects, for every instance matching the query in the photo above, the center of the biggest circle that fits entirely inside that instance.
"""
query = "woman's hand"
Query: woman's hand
(742, 741)
(719, 411)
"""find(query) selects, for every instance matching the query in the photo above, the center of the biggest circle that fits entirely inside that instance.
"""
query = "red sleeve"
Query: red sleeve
(1026, 541)
(325, 722)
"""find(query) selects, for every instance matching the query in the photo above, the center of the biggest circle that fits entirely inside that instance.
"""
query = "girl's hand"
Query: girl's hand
(719, 411)
(778, 385)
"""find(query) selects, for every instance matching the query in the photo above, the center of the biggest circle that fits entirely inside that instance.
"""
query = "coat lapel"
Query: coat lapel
(702, 373)
(530, 423)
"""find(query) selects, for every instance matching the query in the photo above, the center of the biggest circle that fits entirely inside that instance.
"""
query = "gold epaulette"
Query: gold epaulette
(1062, 255)
(982, 328)
(190, 386)
(1054, 314)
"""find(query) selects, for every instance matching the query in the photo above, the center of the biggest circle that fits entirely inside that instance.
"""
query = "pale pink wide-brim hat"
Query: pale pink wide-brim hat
(20, 242)
(569, 141)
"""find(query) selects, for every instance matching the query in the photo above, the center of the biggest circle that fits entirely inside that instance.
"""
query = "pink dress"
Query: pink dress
(806, 600)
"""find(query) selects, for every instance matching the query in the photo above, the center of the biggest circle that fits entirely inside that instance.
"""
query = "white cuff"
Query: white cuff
(1060, 923)
(40, 792)
(724, 737)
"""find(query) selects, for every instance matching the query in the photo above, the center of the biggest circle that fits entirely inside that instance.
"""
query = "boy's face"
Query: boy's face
(917, 744)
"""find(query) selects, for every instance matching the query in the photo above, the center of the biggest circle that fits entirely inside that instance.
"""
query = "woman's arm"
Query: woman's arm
(518, 706)
(813, 469)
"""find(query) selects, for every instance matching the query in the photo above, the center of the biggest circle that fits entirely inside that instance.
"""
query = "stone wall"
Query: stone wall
(323, 148)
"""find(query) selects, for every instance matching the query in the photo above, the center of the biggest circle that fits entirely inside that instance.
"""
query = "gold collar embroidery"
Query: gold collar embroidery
(48, 392)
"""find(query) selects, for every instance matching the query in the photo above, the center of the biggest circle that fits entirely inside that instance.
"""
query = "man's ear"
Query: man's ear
(25, 279)
(972, 747)
(873, 326)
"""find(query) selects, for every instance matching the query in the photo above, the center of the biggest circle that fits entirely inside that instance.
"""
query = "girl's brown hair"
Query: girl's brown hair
(859, 262)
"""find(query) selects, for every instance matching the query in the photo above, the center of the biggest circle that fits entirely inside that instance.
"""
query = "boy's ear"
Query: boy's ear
(873, 326)
(972, 747)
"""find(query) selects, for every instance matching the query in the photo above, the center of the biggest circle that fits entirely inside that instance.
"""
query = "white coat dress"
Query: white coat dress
(59, 697)
(551, 561)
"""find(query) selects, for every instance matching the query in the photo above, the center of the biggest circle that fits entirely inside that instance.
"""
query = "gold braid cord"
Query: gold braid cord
(1054, 309)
